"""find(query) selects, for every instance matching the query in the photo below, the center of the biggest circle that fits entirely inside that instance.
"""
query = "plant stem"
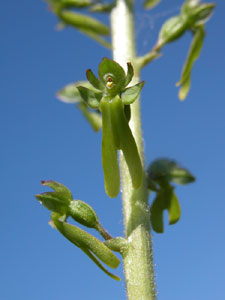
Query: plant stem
(138, 260)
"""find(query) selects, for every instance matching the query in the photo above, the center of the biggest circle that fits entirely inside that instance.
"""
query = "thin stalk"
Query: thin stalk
(138, 260)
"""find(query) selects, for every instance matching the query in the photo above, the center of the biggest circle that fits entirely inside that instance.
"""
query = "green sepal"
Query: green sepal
(64, 192)
(90, 97)
(130, 74)
(83, 213)
(70, 94)
(130, 94)
(127, 142)
(193, 55)
(83, 22)
(109, 152)
(84, 240)
(111, 70)
(165, 170)
(149, 4)
(94, 81)
(93, 117)
(172, 29)
(165, 199)
(54, 202)
(156, 214)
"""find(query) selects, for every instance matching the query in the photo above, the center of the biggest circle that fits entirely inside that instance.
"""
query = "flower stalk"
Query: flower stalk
(138, 259)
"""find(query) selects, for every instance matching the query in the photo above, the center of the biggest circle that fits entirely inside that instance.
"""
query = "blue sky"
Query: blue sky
(42, 138)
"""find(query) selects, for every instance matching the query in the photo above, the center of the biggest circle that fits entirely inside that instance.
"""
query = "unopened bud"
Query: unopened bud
(172, 30)
(83, 213)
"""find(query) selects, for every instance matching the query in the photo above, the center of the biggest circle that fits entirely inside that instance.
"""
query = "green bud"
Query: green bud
(171, 30)
(83, 213)
(149, 4)
(102, 7)
(83, 22)
(69, 3)
(202, 13)
(197, 14)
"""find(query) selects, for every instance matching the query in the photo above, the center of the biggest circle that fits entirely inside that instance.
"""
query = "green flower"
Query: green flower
(113, 99)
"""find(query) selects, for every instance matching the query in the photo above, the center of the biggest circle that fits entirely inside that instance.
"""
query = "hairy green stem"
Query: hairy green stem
(138, 261)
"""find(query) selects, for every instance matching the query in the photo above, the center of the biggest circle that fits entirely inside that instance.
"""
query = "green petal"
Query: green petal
(94, 80)
(156, 214)
(82, 239)
(59, 188)
(130, 73)
(127, 142)
(54, 202)
(174, 209)
(129, 95)
(91, 98)
(109, 152)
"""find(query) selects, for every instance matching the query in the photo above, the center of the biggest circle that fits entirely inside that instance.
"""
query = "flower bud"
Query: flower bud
(171, 30)
(83, 213)
(202, 13)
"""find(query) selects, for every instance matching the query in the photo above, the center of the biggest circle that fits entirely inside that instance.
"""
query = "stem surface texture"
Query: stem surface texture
(138, 260)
